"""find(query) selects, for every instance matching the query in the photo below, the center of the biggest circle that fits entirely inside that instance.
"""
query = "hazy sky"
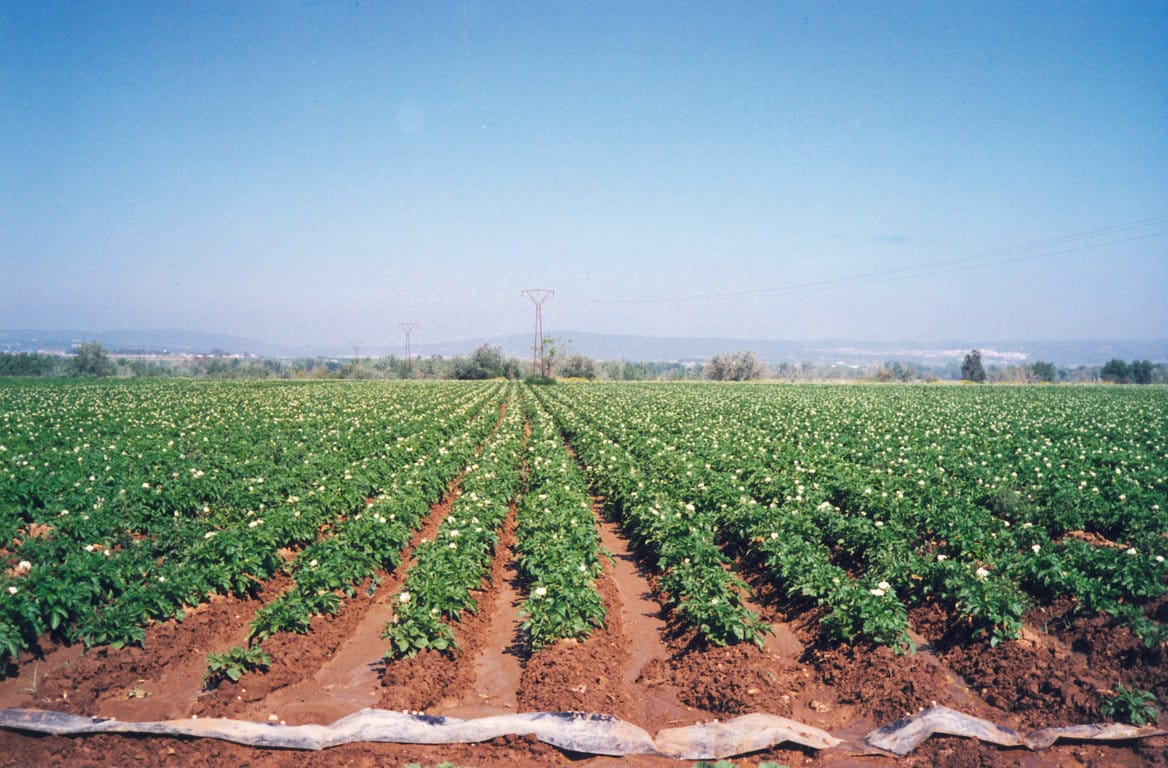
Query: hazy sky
(319, 172)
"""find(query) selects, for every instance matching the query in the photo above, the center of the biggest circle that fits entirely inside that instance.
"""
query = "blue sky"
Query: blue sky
(320, 172)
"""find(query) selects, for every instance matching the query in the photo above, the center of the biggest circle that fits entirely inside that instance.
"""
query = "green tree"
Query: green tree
(612, 369)
(971, 368)
(740, 366)
(427, 368)
(578, 367)
(1043, 371)
(27, 364)
(1141, 371)
(1116, 371)
(489, 360)
(551, 348)
(92, 359)
(904, 372)
(486, 362)
(466, 368)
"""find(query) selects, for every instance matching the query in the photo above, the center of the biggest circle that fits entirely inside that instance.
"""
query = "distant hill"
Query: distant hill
(614, 347)
(137, 342)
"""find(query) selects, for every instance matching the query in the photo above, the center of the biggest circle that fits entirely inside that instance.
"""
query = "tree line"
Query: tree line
(92, 360)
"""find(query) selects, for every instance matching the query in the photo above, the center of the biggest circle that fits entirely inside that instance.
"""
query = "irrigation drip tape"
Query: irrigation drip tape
(585, 733)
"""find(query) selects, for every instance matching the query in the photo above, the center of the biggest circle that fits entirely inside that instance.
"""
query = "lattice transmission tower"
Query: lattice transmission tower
(538, 296)
(406, 329)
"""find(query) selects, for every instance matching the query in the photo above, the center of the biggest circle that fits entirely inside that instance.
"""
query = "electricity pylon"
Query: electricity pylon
(538, 296)
(406, 328)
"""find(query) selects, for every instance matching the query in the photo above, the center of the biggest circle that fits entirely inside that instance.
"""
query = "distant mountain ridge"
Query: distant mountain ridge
(611, 347)
(145, 342)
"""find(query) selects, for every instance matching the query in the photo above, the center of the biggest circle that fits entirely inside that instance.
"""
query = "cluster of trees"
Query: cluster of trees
(88, 360)
(1038, 371)
(486, 362)
(30, 364)
(1119, 372)
(578, 367)
(739, 366)
(896, 370)
(92, 360)
(641, 370)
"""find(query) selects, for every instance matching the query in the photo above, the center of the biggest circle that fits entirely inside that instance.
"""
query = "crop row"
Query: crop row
(867, 501)
(123, 503)
(558, 544)
(447, 570)
(659, 514)
(359, 546)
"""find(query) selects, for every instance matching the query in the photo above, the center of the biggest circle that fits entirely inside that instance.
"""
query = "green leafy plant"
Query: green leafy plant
(994, 607)
(872, 613)
(415, 630)
(558, 545)
(115, 625)
(234, 664)
(289, 613)
(1131, 705)
(561, 608)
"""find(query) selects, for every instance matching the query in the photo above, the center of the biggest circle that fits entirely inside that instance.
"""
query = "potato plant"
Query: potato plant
(122, 502)
(558, 545)
(449, 568)
(869, 499)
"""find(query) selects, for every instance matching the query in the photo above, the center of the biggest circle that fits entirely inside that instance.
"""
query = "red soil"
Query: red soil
(638, 667)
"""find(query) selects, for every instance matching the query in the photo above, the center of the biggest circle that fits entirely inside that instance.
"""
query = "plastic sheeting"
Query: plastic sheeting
(587, 733)
(595, 734)
(903, 736)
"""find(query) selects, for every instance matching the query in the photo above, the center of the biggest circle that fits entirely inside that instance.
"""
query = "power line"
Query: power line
(1057, 246)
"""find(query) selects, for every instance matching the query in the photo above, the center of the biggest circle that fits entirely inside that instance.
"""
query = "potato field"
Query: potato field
(671, 554)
